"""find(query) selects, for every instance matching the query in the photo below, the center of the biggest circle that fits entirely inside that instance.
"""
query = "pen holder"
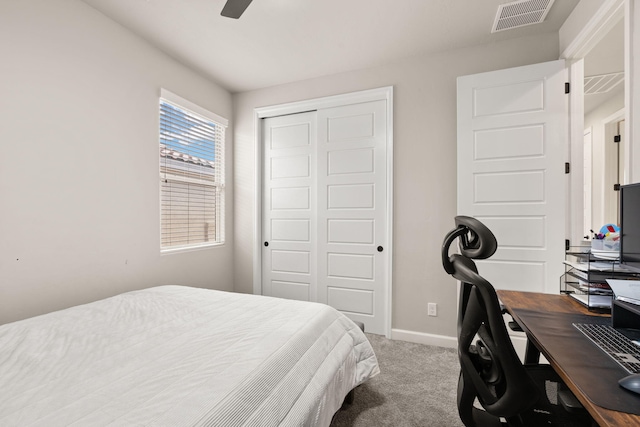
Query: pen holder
(597, 244)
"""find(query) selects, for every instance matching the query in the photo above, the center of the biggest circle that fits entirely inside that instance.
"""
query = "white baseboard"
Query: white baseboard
(518, 339)
(519, 343)
(422, 338)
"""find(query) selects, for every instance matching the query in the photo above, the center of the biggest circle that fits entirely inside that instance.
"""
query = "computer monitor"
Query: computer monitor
(630, 226)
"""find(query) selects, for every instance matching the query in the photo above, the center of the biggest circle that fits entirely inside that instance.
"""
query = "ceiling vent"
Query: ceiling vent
(602, 83)
(521, 13)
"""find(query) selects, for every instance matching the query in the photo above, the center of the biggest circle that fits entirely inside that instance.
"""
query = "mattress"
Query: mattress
(180, 356)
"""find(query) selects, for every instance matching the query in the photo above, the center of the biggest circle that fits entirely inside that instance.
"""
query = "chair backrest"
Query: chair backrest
(490, 369)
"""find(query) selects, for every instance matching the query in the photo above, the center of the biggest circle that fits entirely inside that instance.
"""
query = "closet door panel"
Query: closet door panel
(289, 207)
(352, 215)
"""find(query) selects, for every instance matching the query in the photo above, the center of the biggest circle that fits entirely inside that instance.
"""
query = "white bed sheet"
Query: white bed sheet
(180, 356)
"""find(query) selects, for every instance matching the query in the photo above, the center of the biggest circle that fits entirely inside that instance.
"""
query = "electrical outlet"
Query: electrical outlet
(432, 309)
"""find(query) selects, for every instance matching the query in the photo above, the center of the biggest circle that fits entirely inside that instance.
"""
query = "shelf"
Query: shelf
(586, 274)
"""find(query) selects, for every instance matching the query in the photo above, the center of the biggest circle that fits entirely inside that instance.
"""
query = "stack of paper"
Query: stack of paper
(593, 301)
(597, 266)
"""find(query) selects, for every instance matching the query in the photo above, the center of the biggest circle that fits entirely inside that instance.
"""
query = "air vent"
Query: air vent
(602, 83)
(521, 13)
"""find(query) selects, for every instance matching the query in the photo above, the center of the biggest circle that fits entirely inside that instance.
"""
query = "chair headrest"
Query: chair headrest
(479, 242)
(476, 241)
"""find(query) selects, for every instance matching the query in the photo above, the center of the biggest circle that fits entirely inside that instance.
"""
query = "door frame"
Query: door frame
(608, 129)
(383, 93)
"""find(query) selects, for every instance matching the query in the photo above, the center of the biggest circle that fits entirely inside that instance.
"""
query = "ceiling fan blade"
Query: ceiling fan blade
(234, 8)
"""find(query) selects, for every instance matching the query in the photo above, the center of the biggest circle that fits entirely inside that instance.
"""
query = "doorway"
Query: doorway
(598, 64)
(604, 112)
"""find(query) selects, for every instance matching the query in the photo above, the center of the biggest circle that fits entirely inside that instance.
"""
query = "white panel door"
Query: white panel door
(352, 211)
(289, 207)
(512, 139)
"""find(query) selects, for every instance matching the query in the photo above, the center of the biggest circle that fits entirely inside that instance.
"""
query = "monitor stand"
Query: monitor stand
(625, 315)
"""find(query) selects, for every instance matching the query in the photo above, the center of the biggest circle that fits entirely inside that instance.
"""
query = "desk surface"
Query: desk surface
(563, 304)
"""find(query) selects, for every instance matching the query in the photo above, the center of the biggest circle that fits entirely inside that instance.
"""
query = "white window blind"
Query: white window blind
(191, 176)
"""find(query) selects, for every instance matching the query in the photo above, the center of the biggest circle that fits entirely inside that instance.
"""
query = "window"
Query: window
(191, 175)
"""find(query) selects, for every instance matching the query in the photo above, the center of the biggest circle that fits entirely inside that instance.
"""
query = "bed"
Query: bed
(181, 356)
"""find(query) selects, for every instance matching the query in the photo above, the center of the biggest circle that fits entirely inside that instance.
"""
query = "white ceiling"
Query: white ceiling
(280, 41)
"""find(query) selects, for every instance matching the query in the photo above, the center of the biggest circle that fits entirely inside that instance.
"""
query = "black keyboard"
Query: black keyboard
(614, 344)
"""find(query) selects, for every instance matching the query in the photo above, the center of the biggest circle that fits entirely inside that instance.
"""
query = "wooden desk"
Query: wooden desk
(562, 304)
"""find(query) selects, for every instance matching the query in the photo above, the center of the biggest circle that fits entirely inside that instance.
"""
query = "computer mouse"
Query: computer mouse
(631, 383)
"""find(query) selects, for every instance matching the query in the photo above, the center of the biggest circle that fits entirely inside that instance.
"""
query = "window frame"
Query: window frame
(219, 185)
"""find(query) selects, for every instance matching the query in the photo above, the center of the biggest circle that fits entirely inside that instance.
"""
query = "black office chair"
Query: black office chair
(512, 394)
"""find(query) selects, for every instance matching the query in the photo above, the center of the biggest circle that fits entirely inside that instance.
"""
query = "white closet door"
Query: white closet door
(289, 207)
(352, 211)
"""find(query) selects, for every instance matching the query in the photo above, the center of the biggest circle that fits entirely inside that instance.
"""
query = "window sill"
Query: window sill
(182, 249)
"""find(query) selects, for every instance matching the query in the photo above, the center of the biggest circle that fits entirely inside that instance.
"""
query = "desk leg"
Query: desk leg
(531, 354)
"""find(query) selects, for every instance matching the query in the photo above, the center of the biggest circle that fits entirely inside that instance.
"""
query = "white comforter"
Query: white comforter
(179, 356)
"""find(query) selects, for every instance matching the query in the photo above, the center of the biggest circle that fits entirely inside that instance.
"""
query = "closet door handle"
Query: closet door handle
(380, 248)
(266, 243)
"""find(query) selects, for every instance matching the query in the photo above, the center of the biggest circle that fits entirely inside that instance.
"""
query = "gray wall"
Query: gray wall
(79, 182)
(425, 165)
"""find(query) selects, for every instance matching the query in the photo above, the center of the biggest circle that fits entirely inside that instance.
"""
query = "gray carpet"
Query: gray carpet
(416, 387)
